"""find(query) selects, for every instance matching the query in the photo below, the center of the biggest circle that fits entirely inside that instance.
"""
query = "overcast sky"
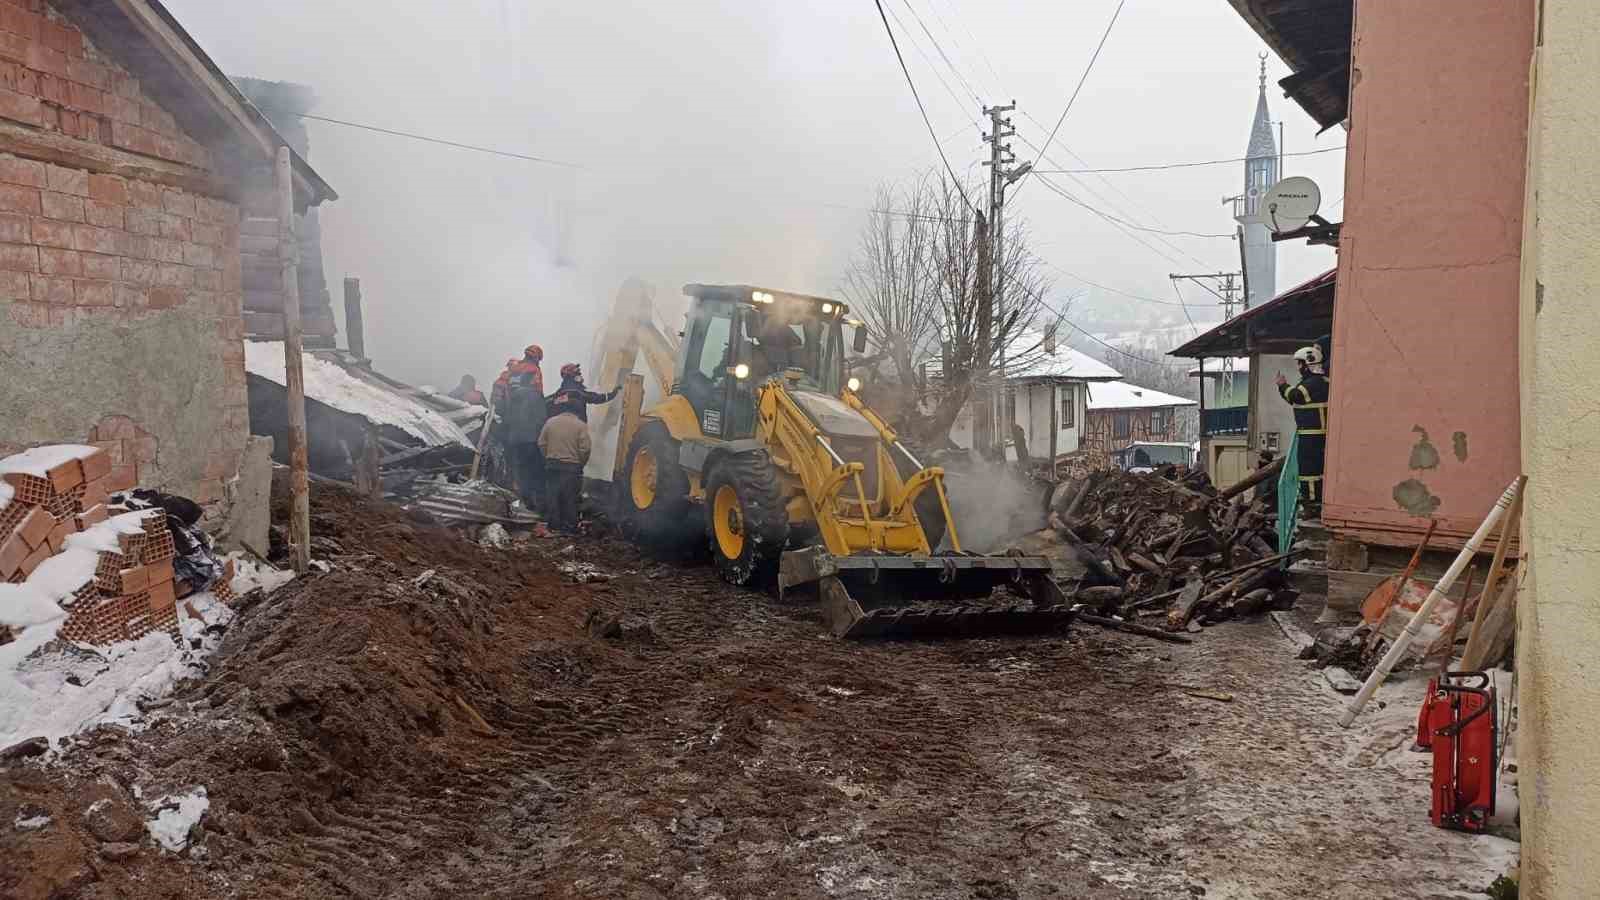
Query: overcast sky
(723, 141)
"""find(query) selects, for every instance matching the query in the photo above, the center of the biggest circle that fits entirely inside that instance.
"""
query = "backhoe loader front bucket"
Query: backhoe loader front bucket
(872, 596)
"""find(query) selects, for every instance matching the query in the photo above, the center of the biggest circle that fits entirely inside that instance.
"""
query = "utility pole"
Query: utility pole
(1000, 177)
(1229, 289)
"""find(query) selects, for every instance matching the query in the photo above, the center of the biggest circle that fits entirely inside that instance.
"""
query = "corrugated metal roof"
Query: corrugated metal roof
(1227, 339)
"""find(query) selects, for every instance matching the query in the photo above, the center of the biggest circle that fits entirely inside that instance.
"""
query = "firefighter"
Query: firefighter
(1310, 401)
(564, 441)
(525, 417)
(577, 395)
(467, 391)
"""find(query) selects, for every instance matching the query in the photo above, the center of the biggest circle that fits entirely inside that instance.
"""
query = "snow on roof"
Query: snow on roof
(38, 461)
(1065, 362)
(1214, 367)
(328, 383)
(1122, 395)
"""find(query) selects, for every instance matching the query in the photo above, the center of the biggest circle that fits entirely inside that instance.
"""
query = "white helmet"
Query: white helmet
(1311, 356)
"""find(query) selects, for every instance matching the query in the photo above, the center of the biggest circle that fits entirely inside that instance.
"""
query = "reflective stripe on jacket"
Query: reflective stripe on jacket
(1310, 401)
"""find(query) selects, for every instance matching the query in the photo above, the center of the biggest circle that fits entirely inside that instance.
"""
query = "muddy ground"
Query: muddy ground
(371, 732)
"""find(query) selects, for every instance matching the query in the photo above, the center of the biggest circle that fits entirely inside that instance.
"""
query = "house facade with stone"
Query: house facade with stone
(128, 166)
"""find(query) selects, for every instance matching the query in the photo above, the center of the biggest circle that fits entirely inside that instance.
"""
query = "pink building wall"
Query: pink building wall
(1424, 403)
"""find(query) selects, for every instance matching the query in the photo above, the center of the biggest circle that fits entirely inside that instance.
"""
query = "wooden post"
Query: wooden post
(354, 332)
(1055, 425)
(294, 376)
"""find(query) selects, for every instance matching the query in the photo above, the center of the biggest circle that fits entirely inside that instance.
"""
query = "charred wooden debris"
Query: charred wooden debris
(1166, 549)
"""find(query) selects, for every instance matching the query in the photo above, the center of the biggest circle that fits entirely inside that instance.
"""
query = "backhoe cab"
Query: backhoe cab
(763, 447)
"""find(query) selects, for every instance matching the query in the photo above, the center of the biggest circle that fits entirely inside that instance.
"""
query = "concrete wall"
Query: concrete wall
(1558, 616)
(1268, 411)
(1033, 414)
(1034, 404)
(120, 298)
(1424, 400)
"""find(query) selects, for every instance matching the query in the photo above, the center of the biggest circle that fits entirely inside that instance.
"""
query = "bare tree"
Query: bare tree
(923, 283)
(889, 281)
(980, 334)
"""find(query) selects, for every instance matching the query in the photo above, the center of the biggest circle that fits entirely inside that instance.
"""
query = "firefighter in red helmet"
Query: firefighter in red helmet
(577, 395)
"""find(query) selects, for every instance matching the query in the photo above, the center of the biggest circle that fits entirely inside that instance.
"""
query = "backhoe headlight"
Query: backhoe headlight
(761, 297)
(854, 384)
(741, 371)
(827, 309)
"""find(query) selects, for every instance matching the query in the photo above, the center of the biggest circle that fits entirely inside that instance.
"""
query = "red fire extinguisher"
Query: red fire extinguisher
(1458, 722)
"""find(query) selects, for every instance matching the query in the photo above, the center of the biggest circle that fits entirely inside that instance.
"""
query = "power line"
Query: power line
(1102, 197)
(1192, 326)
(1062, 317)
(922, 109)
(431, 140)
(940, 50)
(1185, 165)
(1134, 225)
(1085, 76)
(933, 67)
(1057, 189)
(1075, 276)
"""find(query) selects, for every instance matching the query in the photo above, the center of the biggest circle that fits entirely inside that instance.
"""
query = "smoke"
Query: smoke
(993, 505)
(714, 142)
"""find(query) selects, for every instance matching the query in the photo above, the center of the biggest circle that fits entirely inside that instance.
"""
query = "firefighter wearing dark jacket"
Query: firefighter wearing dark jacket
(1310, 401)
(524, 419)
(578, 396)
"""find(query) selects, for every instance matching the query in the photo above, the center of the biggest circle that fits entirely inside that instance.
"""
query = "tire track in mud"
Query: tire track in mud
(741, 752)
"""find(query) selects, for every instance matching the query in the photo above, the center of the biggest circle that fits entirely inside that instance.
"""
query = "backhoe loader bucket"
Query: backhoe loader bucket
(871, 596)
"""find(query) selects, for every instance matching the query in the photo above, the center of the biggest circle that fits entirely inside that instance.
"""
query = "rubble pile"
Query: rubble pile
(1166, 545)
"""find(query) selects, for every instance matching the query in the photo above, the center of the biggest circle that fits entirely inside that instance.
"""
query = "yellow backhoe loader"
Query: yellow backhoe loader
(761, 445)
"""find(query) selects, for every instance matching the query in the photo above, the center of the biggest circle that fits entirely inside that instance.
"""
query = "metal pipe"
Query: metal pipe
(1414, 627)
(829, 447)
(902, 448)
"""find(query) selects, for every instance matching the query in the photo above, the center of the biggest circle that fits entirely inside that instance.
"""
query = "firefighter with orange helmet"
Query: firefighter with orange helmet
(524, 419)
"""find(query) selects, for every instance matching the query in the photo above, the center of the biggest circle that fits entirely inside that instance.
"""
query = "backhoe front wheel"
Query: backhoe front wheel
(655, 490)
(745, 518)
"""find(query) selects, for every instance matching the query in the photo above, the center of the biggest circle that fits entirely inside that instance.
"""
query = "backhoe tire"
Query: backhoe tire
(655, 491)
(927, 507)
(745, 518)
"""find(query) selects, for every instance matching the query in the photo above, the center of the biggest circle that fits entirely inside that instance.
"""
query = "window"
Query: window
(1158, 422)
(1068, 406)
(1120, 426)
(714, 359)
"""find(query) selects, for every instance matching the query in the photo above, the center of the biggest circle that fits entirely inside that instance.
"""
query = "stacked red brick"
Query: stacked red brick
(134, 592)
(55, 492)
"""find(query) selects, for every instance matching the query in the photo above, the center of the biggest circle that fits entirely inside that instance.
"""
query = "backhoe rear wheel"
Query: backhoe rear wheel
(745, 518)
(655, 490)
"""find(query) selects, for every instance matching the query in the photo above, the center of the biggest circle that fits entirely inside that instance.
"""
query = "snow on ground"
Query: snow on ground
(55, 690)
(330, 384)
(6, 493)
(64, 690)
(248, 574)
(175, 816)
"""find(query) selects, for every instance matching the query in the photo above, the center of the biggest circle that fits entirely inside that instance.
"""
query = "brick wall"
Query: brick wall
(96, 265)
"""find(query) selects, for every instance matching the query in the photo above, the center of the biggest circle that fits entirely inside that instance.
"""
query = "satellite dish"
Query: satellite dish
(1291, 203)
